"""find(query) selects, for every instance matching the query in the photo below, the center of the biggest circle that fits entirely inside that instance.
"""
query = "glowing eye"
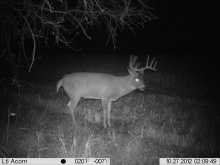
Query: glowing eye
(137, 79)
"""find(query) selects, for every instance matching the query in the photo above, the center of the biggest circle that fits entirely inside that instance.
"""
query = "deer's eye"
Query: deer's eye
(137, 80)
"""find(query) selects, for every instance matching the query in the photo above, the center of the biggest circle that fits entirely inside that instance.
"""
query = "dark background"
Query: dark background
(185, 33)
(183, 27)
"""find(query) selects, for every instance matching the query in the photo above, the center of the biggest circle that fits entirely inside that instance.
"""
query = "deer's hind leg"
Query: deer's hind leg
(106, 105)
(72, 106)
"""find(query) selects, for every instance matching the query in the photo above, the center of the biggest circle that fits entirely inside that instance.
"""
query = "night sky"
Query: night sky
(182, 27)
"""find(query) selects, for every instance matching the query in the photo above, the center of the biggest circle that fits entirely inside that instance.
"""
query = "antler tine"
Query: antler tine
(147, 60)
(152, 62)
(155, 65)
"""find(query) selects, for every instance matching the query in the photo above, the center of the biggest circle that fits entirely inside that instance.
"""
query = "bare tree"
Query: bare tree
(36, 21)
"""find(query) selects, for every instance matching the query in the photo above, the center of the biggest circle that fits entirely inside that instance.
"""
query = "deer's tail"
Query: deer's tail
(59, 84)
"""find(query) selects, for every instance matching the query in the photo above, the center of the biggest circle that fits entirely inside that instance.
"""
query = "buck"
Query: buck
(106, 87)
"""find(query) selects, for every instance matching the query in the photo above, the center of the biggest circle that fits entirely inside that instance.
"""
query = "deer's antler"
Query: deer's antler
(134, 65)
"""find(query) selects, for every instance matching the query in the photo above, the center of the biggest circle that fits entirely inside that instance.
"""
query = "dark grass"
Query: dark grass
(176, 116)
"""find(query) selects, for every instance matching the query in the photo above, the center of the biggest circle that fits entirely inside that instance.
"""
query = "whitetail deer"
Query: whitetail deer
(106, 87)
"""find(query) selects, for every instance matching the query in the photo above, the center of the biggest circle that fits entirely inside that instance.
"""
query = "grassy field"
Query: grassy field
(176, 116)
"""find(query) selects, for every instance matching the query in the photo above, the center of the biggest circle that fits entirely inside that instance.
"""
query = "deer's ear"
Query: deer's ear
(129, 71)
